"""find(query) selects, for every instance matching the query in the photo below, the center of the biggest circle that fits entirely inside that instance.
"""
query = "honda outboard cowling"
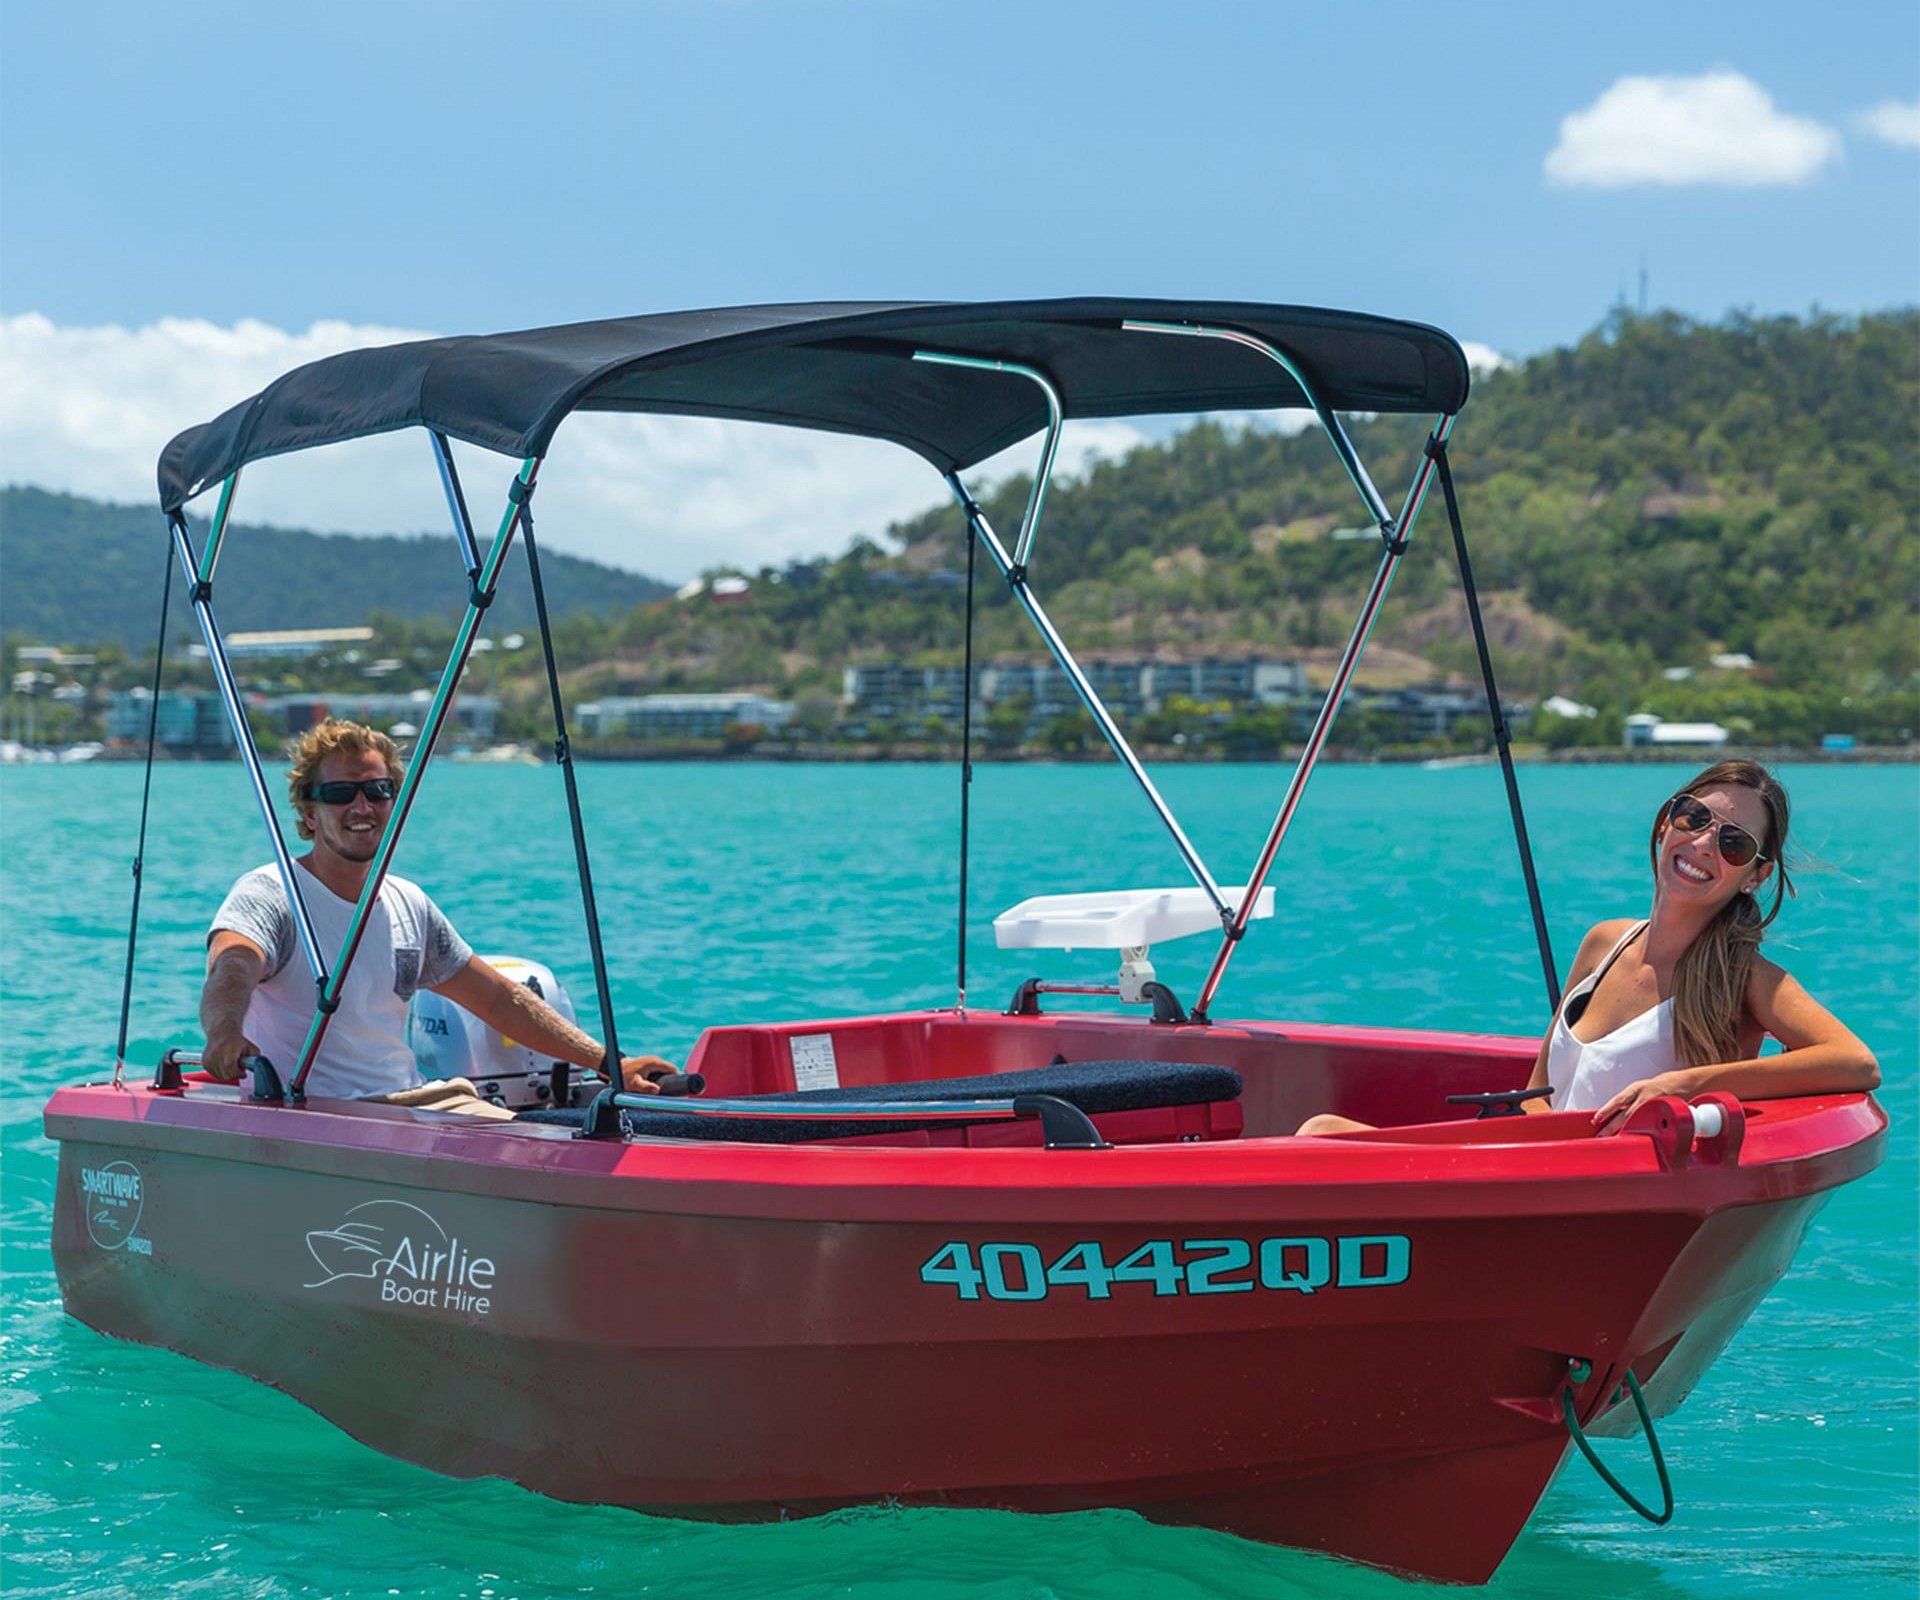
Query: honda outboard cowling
(449, 1041)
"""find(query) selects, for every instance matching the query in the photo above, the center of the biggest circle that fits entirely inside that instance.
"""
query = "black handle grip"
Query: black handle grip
(266, 1082)
(1500, 1103)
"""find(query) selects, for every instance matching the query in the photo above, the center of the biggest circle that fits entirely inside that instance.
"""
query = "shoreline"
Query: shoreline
(538, 753)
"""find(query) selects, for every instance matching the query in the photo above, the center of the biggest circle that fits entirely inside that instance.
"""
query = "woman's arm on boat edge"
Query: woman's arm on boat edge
(1819, 1054)
(234, 965)
(1593, 950)
(516, 1012)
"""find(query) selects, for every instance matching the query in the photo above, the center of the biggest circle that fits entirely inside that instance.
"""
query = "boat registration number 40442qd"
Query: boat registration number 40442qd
(1293, 1265)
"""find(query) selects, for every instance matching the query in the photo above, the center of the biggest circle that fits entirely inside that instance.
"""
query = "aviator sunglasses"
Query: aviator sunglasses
(378, 790)
(1737, 846)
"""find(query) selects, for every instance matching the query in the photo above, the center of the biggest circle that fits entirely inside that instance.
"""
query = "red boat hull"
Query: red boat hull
(1280, 1338)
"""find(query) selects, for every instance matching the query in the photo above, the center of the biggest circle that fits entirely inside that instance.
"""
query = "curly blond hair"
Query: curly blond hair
(335, 736)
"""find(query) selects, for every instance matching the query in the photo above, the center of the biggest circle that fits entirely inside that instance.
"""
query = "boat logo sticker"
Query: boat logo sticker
(407, 1255)
(115, 1195)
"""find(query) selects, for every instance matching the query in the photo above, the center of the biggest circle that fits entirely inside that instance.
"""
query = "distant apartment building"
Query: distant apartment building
(1433, 710)
(188, 722)
(1045, 689)
(1130, 687)
(891, 690)
(1048, 692)
(1249, 682)
(1127, 686)
(473, 716)
(679, 716)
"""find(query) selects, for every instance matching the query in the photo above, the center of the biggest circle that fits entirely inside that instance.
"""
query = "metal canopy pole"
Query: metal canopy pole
(1393, 536)
(456, 504)
(479, 598)
(146, 795)
(1323, 724)
(604, 1122)
(1335, 431)
(1023, 546)
(1502, 737)
(201, 596)
(1014, 569)
(1049, 447)
(966, 774)
(1017, 582)
(216, 532)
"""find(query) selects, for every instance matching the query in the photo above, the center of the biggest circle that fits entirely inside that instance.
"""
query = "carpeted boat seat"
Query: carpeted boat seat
(1094, 1086)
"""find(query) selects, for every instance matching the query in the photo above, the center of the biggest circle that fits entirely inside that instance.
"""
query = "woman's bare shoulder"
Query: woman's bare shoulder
(1601, 938)
(1765, 977)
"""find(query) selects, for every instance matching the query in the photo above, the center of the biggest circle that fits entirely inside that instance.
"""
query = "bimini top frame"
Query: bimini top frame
(956, 383)
(831, 366)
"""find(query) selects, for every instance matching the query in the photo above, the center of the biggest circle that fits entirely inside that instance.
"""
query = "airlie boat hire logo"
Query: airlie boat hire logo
(409, 1258)
(115, 1195)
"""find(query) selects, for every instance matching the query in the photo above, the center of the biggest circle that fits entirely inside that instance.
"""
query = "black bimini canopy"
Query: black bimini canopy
(845, 368)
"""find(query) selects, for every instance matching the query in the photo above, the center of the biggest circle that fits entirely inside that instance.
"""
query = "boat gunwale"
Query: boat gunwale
(1793, 1147)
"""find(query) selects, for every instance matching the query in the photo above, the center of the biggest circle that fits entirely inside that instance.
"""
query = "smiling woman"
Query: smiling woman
(1679, 1003)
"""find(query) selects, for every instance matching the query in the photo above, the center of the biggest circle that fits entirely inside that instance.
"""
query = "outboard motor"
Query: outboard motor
(449, 1041)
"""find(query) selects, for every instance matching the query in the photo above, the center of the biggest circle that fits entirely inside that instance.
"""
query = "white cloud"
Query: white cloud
(1895, 122)
(1483, 357)
(87, 410)
(1081, 444)
(1718, 128)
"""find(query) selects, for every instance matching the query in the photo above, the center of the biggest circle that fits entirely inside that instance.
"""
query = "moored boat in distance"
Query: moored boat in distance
(497, 755)
(1031, 1258)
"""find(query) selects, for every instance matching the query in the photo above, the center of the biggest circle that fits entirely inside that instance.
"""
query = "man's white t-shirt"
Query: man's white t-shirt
(409, 944)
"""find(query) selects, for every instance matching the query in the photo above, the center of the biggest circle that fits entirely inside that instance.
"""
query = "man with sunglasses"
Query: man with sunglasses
(259, 995)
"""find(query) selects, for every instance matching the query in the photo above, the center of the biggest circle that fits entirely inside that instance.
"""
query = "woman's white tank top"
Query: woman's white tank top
(1585, 1076)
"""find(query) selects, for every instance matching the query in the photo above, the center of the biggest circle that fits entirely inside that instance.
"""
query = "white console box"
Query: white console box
(1115, 919)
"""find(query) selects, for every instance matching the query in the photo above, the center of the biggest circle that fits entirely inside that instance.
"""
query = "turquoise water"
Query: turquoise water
(753, 892)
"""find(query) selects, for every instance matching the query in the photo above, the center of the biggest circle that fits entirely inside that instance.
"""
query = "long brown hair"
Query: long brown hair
(1710, 978)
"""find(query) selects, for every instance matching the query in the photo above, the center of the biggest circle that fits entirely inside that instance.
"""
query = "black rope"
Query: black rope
(563, 754)
(1501, 737)
(146, 792)
(966, 762)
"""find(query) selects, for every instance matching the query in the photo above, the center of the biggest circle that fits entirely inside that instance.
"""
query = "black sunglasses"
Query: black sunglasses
(1737, 846)
(378, 790)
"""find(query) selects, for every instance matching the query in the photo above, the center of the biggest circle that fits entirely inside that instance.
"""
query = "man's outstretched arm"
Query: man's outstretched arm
(234, 965)
(516, 1012)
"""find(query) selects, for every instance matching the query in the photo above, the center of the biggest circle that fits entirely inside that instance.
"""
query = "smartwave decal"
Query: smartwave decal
(409, 1258)
(115, 1195)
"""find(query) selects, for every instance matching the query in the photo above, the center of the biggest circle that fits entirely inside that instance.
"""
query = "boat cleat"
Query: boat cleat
(1710, 1129)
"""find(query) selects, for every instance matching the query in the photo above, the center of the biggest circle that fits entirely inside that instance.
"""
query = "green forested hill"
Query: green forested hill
(77, 571)
(1658, 493)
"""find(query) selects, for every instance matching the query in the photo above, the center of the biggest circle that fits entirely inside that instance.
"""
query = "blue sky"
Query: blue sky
(237, 187)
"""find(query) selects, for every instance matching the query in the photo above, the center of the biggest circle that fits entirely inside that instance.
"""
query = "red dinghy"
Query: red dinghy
(925, 1257)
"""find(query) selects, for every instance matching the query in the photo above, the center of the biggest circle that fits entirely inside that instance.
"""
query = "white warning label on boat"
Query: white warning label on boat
(813, 1063)
(115, 1195)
